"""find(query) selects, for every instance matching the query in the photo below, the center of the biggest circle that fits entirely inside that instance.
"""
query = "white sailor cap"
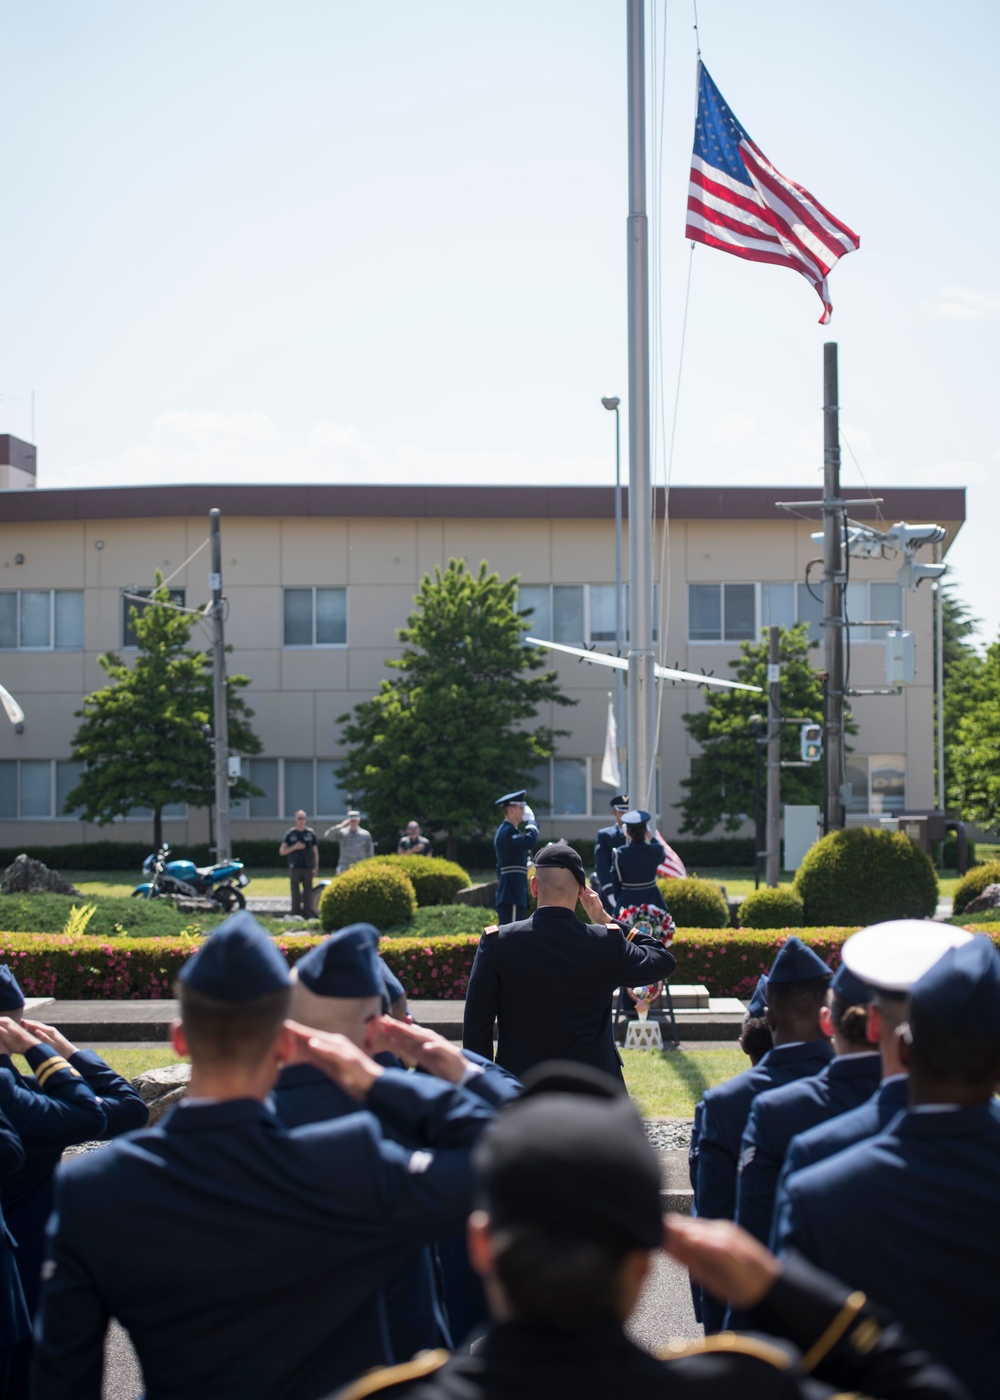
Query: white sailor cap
(892, 956)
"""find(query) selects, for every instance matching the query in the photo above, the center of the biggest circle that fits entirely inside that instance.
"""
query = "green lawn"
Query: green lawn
(272, 882)
(668, 1083)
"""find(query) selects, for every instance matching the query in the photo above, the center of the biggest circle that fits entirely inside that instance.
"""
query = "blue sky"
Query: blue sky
(334, 241)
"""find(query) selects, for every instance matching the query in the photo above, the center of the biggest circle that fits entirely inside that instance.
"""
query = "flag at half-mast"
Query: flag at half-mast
(738, 201)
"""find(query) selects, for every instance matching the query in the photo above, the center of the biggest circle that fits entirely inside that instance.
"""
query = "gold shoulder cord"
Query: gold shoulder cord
(728, 1342)
(834, 1332)
(423, 1364)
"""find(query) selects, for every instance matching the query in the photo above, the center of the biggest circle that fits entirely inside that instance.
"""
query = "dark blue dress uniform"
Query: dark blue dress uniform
(247, 1259)
(548, 981)
(634, 867)
(777, 1116)
(513, 849)
(910, 1216)
(609, 838)
(15, 1324)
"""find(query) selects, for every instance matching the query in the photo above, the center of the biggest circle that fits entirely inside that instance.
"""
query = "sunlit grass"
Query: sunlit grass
(668, 1083)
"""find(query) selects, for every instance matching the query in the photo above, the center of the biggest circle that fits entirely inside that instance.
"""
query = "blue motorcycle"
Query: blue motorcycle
(222, 882)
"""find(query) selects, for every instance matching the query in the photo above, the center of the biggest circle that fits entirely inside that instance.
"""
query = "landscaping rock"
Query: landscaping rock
(162, 1088)
(27, 876)
(989, 899)
(479, 896)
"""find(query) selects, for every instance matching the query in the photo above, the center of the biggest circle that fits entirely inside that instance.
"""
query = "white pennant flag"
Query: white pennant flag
(610, 773)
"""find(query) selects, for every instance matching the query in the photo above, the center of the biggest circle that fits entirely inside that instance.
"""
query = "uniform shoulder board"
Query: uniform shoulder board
(382, 1380)
(733, 1343)
(616, 927)
(491, 928)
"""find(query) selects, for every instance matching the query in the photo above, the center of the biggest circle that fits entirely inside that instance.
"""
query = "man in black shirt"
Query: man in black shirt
(413, 843)
(301, 845)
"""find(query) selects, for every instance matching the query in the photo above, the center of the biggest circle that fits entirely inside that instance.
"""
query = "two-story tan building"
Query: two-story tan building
(318, 579)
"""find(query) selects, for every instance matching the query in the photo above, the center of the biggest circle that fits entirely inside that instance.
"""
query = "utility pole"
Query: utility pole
(641, 660)
(833, 593)
(223, 846)
(939, 681)
(772, 860)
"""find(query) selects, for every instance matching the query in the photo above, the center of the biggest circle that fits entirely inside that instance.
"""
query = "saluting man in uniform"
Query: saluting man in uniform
(608, 838)
(635, 863)
(513, 849)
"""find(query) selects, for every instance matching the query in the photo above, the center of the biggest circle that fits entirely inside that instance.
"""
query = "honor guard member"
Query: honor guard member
(243, 1257)
(890, 957)
(635, 863)
(910, 1215)
(15, 1324)
(513, 849)
(566, 1232)
(796, 990)
(609, 838)
(548, 981)
(849, 1080)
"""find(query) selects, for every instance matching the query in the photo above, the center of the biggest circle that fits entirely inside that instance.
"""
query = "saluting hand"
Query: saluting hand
(50, 1036)
(594, 906)
(339, 1058)
(15, 1039)
(723, 1257)
(416, 1045)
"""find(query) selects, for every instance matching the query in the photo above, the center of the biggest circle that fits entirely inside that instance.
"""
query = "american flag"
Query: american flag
(671, 867)
(738, 202)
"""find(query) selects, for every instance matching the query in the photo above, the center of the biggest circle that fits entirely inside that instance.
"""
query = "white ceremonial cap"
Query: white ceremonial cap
(892, 956)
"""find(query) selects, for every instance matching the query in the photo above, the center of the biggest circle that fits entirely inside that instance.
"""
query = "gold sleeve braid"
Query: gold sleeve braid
(51, 1065)
(835, 1331)
(423, 1364)
(731, 1342)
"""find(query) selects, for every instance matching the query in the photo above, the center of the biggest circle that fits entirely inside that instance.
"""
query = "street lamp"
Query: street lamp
(611, 404)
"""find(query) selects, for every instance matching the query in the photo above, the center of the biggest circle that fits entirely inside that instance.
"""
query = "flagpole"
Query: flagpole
(641, 661)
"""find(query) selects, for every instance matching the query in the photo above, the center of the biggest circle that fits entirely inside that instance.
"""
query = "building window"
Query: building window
(569, 787)
(44, 619)
(290, 784)
(727, 612)
(37, 788)
(877, 783)
(315, 617)
(865, 602)
(722, 612)
(129, 601)
(578, 614)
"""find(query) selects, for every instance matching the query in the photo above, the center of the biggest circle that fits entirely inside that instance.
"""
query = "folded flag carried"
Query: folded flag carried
(738, 201)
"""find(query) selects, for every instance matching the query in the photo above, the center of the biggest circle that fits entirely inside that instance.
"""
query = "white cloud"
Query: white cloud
(737, 431)
(965, 304)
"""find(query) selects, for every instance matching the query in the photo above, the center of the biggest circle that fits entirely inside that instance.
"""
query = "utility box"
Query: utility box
(900, 658)
(801, 832)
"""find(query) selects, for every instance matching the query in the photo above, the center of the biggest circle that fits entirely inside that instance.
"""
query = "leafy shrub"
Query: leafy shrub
(434, 881)
(444, 920)
(974, 883)
(370, 892)
(864, 875)
(114, 916)
(695, 903)
(949, 853)
(777, 908)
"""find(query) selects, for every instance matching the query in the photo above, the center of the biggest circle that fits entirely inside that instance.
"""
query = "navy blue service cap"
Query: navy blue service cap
(238, 962)
(619, 803)
(572, 1157)
(560, 854)
(11, 996)
(796, 963)
(757, 1004)
(344, 965)
(962, 990)
(850, 988)
(636, 817)
(893, 955)
(520, 796)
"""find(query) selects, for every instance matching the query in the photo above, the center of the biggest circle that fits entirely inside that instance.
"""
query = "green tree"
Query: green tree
(972, 750)
(962, 666)
(451, 729)
(142, 738)
(721, 787)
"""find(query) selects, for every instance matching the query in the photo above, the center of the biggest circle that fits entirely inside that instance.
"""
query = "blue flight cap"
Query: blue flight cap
(636, 818)
(850, 988)
(520, 796)
(797, 963)
(962, 989)
(344, 965)
(757, 1004)
(238, 962)
(11, 996)
(619, 803)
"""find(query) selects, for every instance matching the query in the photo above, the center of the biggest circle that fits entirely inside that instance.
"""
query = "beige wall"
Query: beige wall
(298, 694)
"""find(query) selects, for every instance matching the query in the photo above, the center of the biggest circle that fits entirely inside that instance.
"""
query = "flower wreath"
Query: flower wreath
(649, 919)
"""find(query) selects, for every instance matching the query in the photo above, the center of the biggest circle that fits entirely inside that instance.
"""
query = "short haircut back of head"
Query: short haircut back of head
(560, 1280)
(943, 1056)
(227, 1033)
(797, 1001)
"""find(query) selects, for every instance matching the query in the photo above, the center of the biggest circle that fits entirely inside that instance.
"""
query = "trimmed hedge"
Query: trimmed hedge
(772, 908)
(863, 875)
(727, 961)
(116, 916)
(695, 903)
(370, 893)
(434, 881)
(973, 884)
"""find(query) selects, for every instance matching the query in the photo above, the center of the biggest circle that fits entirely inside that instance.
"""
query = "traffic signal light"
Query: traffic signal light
(811, 740)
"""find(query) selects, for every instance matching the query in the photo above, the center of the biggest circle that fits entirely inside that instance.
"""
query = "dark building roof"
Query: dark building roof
(16, 453)
(915, 504)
